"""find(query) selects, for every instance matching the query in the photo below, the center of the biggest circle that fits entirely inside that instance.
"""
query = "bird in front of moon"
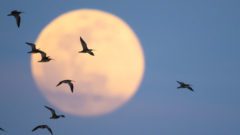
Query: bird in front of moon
(44, 57)
(53, 112)
(105, 82)
(33, 48)
(69, 82)
(17, 16)
(43, 127)
(85, 48)
(184, 85)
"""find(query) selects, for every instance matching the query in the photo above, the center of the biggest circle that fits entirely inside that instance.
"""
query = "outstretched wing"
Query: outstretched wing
(49, 129)
(32, 45)
(84, 44)
(18, 20)
(181, 83)
(2, 129)
(37, 127)
(50, 109)
(71, 86)
(190, 88)
(59, 83)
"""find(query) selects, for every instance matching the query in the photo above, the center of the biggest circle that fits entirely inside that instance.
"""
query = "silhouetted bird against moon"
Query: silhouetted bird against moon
(33, 46)
(16, 14)
(69, 82)
(184, 85)
(44, 56)
(43, 127)
(85, 48)
(54, 115)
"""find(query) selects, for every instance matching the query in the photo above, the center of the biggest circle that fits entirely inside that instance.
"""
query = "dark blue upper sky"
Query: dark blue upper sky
(196, 41)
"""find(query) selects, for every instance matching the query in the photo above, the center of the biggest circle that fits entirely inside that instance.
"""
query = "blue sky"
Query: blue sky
(196, 41)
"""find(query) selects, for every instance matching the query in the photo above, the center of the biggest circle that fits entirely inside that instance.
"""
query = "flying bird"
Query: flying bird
(43, 127)
(33, 46)
(17, 16)
(85, 48)
(1, 129)
(54, 115)
(44, 56)
(69, 82)
(184, 85)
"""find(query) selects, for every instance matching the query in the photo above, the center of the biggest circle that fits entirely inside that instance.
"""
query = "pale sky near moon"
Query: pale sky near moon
(102, 83)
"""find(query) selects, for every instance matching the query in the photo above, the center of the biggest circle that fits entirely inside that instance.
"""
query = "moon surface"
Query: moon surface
(103, 82)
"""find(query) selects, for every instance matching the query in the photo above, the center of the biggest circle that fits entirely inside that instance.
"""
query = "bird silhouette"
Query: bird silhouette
(44, 56)
(17, 16)
(184, 85)
(85, 48)
(43, 127)
(1, 129)
(69, 82)
(54, 115)
(33, 46)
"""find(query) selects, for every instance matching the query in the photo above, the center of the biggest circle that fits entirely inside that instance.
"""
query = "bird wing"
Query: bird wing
(33, 46)
(18, 19)
(190, 88)
(71, 86)
(49, 129)
(84, 44)
(37, 127)
(2, 129)
(43, 54)
(60, 83)
(181, 83)
(50, 109)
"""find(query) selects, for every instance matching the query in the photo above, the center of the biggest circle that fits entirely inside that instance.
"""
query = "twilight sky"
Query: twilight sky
(196, 41)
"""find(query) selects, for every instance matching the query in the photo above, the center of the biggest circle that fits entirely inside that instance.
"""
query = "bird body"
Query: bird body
(69, 82)
(54, 115)
(44, 56)
(43, 127)
(16, 14)
(85, 48)
(184, 85)
(33, 47)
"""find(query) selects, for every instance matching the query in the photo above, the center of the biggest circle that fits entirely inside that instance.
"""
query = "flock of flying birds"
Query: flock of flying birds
(53, 116)
(45, 58)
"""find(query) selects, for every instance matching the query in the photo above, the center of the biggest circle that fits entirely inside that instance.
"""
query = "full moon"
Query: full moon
(102, 83)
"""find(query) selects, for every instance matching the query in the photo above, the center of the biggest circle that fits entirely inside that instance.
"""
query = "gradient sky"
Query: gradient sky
(196, 41)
